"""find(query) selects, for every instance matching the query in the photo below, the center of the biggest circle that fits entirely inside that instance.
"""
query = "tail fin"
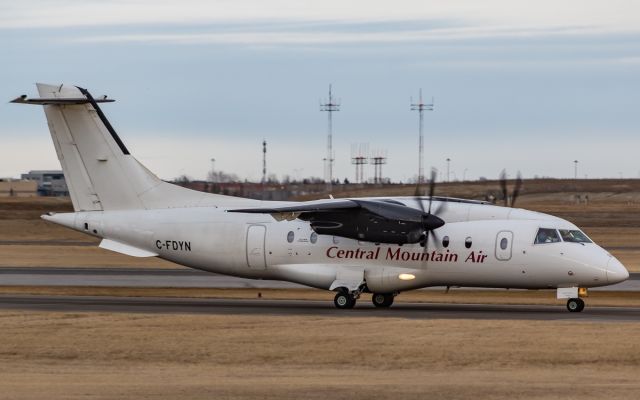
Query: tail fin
(100, 172)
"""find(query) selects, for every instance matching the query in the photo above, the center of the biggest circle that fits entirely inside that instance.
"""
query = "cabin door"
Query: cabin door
(255, 247)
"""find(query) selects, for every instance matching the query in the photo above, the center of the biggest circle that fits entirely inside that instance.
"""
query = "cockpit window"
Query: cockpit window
(546, 235)
(574, 236)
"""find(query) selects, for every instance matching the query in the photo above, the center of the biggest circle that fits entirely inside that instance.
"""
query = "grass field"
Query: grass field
(125, 356)
(102, 356)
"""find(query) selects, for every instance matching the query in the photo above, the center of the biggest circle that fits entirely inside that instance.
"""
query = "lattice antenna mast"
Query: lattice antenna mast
(264, 161)
(330, 106)
(359, 157)
(378, 160)
(421, 107)
(264, 167)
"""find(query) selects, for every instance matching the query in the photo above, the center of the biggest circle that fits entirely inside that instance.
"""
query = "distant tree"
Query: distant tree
(346, 181)
(221, 177)
(182, 179)
(272, 178)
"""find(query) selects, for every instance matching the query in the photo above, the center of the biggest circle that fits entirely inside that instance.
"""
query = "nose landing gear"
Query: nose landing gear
(575, 305)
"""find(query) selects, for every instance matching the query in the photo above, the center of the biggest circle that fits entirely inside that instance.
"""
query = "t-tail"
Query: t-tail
(100, 172)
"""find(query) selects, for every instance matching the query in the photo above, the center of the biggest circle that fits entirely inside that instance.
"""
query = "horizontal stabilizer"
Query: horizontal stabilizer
(59, 101)
(122, 248)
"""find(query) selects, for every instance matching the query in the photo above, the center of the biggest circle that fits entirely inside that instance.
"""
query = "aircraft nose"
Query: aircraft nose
(616, 272)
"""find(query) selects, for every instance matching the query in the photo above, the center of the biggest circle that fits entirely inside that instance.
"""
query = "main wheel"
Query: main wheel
(382, 299)
(344, 300)
(575, 305)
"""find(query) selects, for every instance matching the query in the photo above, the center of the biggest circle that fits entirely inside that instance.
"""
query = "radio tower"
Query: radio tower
(420, 107)
(264, 167)
(378, 161)
(359, 158)
(329, 106)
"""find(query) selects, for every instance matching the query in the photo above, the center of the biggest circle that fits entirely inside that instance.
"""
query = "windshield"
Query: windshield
(547, 235)
(574, 236)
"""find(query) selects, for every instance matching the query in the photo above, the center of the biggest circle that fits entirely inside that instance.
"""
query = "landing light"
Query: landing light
(406, 277)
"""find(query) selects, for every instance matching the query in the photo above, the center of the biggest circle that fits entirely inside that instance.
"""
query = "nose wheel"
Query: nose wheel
(575, 305)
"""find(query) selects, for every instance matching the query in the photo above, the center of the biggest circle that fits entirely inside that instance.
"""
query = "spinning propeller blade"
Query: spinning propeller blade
(503, 187)
(516, 189)
(505, 192)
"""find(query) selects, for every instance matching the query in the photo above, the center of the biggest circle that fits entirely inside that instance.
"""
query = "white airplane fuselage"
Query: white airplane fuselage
(468, 243)
(257, 246)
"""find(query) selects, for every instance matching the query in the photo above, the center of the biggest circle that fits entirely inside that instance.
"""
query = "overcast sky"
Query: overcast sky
(521, 85)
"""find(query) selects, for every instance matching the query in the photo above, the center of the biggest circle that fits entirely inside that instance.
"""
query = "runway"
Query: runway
(177, 278)
(158, 305)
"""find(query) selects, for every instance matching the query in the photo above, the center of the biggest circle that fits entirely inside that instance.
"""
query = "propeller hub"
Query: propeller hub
(431, 222)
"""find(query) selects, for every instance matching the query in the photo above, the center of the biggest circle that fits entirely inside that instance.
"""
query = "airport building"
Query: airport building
(17, 188)
(49, 182)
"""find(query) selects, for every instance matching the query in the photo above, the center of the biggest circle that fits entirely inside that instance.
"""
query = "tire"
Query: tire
(575, 305)
(344, 301)
(382, 300)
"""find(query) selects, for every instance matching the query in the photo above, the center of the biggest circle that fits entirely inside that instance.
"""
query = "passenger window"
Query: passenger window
(546, 235)
(467, 242)
(504, 243)
(445, 241)
(314, 237)
(574, 236)
(290, 236)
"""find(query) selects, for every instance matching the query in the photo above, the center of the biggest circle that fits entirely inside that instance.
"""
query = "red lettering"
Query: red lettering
(329, 251)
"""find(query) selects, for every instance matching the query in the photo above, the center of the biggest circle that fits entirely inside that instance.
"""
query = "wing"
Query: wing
(377, 221)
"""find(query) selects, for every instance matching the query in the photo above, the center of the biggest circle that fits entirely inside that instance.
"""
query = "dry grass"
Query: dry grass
(454, 296)
(73, 256)
(105, 356)
(39, 230)
(73, 356)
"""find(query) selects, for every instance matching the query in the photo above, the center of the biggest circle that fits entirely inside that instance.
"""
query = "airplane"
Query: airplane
(378, 245)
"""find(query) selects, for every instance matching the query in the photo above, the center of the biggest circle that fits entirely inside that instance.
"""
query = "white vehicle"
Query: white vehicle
(380, 245)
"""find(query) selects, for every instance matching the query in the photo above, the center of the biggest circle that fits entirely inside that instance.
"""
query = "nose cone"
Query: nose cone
(616, 272)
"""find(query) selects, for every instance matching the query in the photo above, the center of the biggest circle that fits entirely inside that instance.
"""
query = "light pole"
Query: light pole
(464, 175)
(211, 173)
(448, 164)
(575, 169)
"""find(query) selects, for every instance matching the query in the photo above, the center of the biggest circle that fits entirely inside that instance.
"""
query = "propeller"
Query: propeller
(516, 189)
(505, 192)
(430, 220)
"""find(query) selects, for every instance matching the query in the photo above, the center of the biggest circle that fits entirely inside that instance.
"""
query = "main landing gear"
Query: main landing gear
(575, 305)
(344, 300)
(382, 300)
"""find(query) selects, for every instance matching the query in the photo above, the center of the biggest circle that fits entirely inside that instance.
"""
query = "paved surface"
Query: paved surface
(130, 277)
(312, 308)
(180, 278)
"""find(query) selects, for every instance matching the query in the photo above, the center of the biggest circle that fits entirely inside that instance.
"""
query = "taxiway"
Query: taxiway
(159, 305)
